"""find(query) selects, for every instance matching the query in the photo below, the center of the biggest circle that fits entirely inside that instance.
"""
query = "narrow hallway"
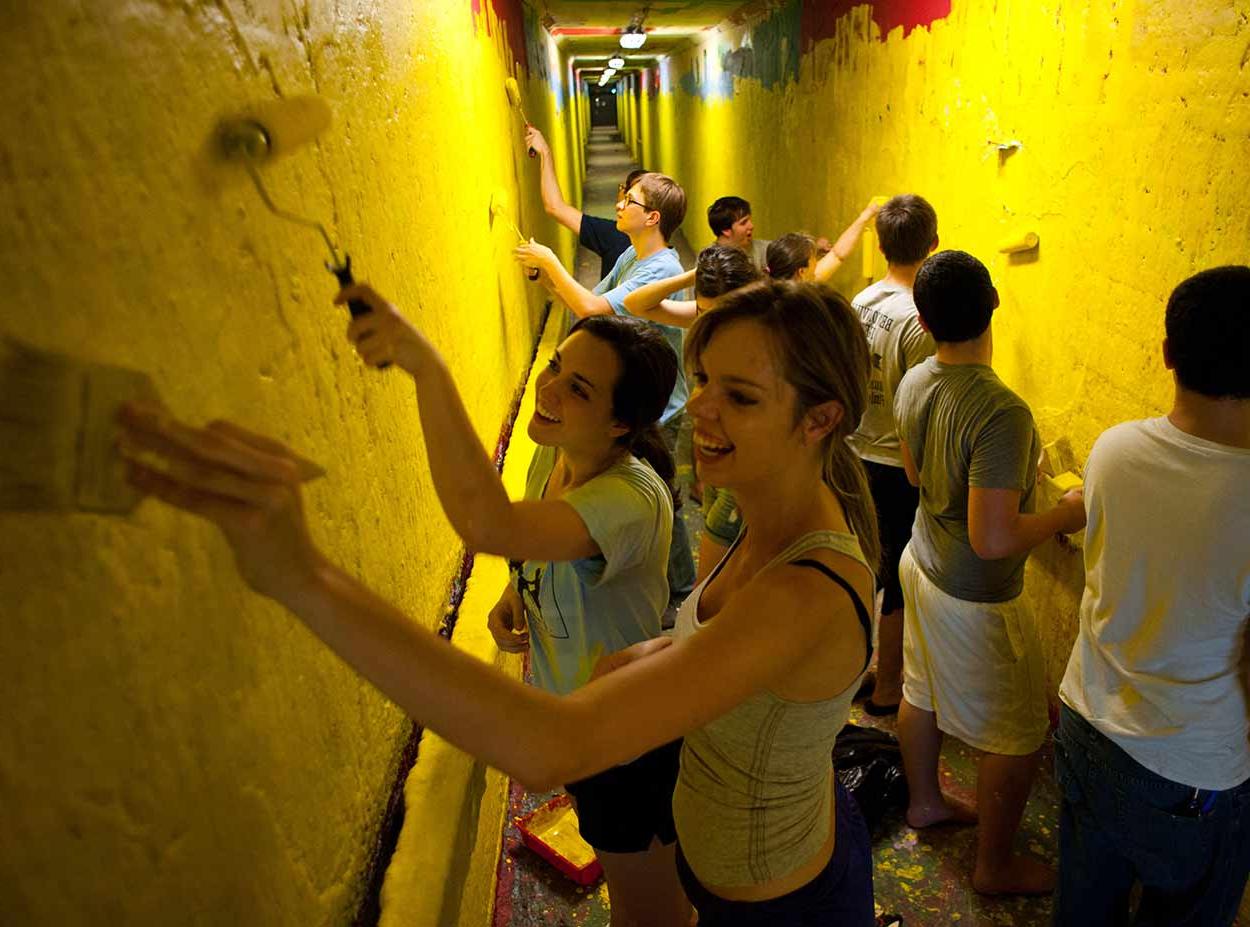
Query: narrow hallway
(271, 549)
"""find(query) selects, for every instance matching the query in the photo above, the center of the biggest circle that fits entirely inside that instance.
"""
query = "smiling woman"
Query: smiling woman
(775, 402)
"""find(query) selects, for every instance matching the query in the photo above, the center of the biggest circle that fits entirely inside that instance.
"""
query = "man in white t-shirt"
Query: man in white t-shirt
(1153, 749)
(897, 341)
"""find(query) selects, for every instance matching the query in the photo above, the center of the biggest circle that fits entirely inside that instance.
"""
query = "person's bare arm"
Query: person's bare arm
(581, 301)
(468, 485)
(828, 265)
(553, 200)
(997, 528)
(909, 464)
(249, 486)
(649, 295)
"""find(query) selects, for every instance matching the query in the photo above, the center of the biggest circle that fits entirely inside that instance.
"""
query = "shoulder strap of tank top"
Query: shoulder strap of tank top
(860, 611)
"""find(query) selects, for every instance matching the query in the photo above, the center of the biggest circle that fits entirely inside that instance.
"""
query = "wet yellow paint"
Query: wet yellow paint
(174, 748)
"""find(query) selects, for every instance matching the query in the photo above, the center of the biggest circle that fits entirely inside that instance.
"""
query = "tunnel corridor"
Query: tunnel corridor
(178, 749)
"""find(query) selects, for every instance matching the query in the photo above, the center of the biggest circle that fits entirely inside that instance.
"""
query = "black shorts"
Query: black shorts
(896, 501)
(622, 809)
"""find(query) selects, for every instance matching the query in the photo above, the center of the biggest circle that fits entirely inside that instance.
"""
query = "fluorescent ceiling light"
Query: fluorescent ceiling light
(616, 62)
(633, 37)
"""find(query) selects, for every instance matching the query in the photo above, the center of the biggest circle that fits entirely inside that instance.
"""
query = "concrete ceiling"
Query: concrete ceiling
(590, 29)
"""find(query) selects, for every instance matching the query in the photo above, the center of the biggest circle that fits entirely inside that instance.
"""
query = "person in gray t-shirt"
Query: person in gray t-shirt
(970, 445)
(907, 234)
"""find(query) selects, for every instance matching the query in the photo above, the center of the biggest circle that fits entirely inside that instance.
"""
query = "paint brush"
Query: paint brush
(513, 90)
(499, 210)
(58, 426)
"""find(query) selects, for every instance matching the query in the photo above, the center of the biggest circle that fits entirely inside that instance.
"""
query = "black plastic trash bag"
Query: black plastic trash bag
(869, 765)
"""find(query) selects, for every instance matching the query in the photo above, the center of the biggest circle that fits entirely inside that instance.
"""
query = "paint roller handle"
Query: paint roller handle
(357, 307)
(343, 273)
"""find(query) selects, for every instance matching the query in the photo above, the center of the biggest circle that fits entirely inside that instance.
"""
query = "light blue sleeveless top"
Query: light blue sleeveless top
(753, 799)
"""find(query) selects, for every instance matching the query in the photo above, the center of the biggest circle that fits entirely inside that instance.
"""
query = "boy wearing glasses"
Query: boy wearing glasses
(593, 232)
(649, 212)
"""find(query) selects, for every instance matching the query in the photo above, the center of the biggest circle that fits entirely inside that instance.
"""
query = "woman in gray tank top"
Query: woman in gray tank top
(771, 646)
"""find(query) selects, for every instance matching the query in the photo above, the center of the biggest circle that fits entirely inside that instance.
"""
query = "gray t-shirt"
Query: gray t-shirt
(581, 610)
(896, 342)
(965, 429)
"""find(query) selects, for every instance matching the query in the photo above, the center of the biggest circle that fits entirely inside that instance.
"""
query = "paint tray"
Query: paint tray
(551, 831)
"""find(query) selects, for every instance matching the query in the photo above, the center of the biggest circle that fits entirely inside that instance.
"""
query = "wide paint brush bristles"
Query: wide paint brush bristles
(58, 426)
(59, 430)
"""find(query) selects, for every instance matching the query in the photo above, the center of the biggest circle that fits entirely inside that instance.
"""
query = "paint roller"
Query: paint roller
(500, 209)
(1019, 242)
(271, 130)
(513, 90)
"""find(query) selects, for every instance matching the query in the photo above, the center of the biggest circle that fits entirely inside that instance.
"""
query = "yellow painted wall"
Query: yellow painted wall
(1135, 170)
(174, 749)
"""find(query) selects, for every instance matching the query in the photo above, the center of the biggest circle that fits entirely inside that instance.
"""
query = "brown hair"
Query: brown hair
(666, 196)
(906, 228)
(823, 354)
(641, 392)
(720, 269)
(789, 254)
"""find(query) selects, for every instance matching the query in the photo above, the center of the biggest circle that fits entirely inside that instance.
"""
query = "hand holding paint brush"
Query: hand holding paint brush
(246, 484)
(533, 255)
(499, 209)
(61, 452)
(383, 336)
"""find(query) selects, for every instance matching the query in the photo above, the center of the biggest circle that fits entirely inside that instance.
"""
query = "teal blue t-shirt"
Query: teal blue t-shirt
(581, 610)
(629, 274)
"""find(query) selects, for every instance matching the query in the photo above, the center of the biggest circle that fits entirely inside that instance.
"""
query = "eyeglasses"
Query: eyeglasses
(628, 200)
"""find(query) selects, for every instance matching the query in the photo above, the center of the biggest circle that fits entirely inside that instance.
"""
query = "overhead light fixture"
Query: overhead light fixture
(606, 76)
(633, 36)
(616, 62)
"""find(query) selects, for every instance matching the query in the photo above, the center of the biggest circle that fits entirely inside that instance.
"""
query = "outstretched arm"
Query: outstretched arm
(553, 200)
(581, 301)
(249, 487)
(650, 301)
(468, 486)
(647, 297)
(842, 248)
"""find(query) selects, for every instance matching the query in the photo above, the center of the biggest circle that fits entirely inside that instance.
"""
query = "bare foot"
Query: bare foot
(1017, 875)
(952, 810)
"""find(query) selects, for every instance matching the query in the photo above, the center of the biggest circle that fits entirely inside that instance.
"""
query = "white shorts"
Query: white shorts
(976, 665)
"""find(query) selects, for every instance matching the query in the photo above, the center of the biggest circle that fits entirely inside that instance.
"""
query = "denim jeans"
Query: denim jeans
(840, 896)
(1120, 823)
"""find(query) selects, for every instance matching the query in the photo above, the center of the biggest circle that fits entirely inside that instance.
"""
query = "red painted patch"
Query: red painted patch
(585, 30)
(820, 18)
(509, 15)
